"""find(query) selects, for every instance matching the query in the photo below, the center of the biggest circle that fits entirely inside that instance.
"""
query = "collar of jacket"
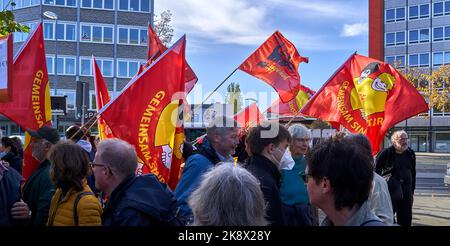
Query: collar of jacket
(267, 165)
(207, 150)
(114, 199)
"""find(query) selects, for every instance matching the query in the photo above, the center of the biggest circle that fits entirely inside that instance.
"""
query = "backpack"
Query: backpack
(75, 204)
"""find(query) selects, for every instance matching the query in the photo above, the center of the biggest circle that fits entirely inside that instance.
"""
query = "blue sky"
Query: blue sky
(221, 34)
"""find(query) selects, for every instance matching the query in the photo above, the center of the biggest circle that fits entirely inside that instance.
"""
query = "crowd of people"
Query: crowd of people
(278, 180)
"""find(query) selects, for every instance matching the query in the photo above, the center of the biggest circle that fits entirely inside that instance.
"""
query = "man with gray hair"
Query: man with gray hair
(397, 164)
(228, 195)
(132, 200)
(222, 137)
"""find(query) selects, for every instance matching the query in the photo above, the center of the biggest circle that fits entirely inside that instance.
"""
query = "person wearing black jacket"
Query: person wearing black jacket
(132, 200)
(267, 143)
(10, 153)
(397, 164)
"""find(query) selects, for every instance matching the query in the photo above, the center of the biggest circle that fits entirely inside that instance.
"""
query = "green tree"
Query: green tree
(8, 24)
(163, 28)
(234, 96)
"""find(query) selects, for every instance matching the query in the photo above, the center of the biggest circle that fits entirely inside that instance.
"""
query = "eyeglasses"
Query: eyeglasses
(93, 164)
(305, 176)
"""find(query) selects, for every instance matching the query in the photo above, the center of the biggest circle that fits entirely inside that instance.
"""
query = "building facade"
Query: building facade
(415, 33)
(114, 31)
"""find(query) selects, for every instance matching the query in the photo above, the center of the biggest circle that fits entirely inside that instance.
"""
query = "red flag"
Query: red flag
(276, 62)
(29, 106)
(156, 48)
(6, 55)
(144, 112)
(249, 116)
(102, 97)
(292, 107)
(366, 96)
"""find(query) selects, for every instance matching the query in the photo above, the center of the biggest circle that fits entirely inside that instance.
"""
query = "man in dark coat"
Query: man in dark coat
(9, 193)
(39, 189)
(267, 143)
(132, 200)
(398, 165)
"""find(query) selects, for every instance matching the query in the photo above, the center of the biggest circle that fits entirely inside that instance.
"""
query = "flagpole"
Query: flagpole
(210, 94)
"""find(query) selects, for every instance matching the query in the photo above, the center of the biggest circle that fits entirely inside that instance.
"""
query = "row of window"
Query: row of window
(123, 5)
(94, 33)
(417, 36)
(417, 12)
(420, 60)
(71, 98)
(66, 66)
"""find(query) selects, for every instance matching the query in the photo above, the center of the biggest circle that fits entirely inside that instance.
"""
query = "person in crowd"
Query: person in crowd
(379, 198)
(132, 200)
(397, 164)
(228, 195)
(39, 189)
(19, 145)
(9, 192)
(222, 137)
(79, 136)
(268, 143)
(10, 153)
(294, 195)
(74, 203)
(339, 179)
(93, 140)
(339, 136)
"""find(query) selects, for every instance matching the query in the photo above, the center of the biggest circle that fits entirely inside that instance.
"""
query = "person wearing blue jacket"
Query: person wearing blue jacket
(222, 137)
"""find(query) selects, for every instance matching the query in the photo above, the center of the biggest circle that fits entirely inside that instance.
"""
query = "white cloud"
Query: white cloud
(352, 30)
(223, 21)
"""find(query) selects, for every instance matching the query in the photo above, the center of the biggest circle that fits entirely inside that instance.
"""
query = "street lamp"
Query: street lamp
(53, 16)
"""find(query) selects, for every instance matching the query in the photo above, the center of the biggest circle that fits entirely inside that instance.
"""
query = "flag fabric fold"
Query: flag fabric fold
(276, 63)
(292, 107)
(366, 96)
(102, 97)
(145, 114)
(30, 106)
(156, 48)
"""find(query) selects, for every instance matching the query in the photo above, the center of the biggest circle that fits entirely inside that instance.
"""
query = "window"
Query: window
(66, 3)
(393, 15)
(130, 35)
(438, 34)
(65, 64)
(421, 60)
(23, 3)
(22, 36)
(98, 4)
(399, 61)
(419, 11)
(96, 33)
(127, 69)
(441, 58)
(65, 31)
(447, 7)
(135, 5)
(395, 38)
(438, 9)
(70, 97)
(104, 64)
(50, 65)
(48, 30)
(416, 36)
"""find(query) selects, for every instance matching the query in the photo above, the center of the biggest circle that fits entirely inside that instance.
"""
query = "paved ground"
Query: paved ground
(431, 211)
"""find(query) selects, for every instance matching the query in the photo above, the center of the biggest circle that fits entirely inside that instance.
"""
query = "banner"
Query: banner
(102, 97)
(292, 107)
(146, 114)
(276, 62)
(366, 96)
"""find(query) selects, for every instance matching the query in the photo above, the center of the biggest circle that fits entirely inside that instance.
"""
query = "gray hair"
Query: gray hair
(119, 155)
(228, 196)
(220, 125)
(299, 131)
(397, 134)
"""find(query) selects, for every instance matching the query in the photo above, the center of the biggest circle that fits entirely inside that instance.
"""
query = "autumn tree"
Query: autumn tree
(8, 24)
(234, 96)
(163, 28)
